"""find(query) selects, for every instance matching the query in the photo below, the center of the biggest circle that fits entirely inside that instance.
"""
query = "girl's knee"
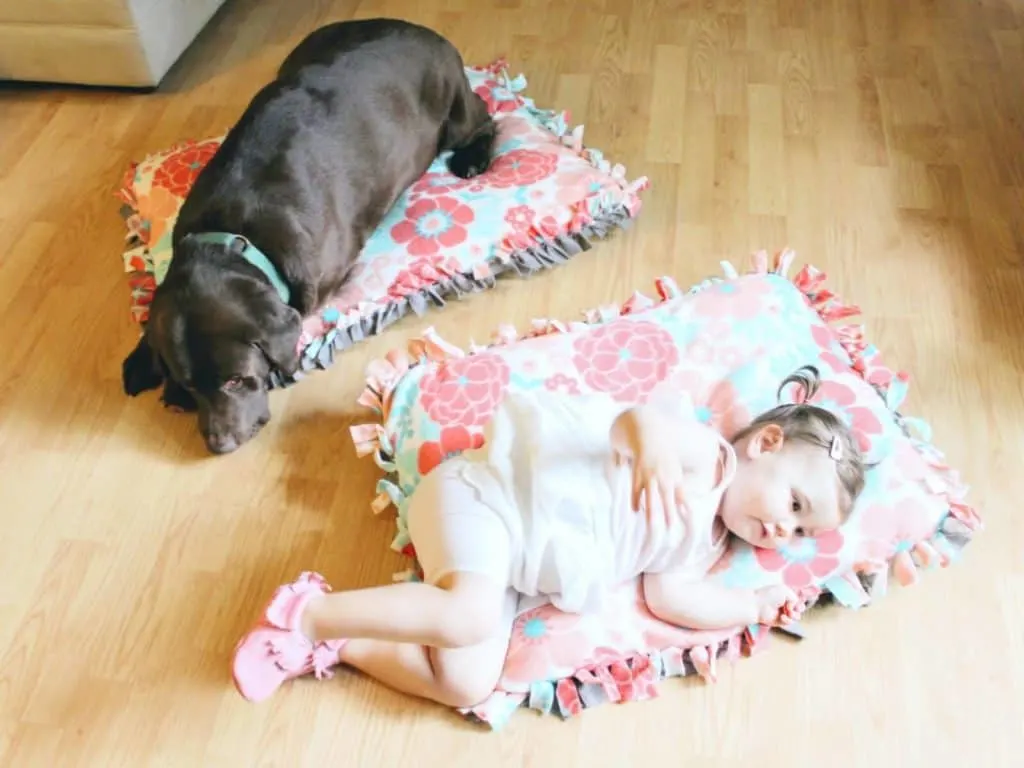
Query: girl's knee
(475, 611)
(464, 689)
(466, 677)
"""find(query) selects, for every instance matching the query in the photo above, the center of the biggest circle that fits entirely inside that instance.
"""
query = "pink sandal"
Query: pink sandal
(276, 650)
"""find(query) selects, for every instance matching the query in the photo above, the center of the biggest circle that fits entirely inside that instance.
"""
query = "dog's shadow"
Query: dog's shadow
(320, 471)
(65, 393)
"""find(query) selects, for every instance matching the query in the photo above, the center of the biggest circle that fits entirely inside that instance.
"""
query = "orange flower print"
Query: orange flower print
(454, 440)
(160, 209)
(179, 170)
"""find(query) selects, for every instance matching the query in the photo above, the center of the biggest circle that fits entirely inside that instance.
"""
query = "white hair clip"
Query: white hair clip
(836, 449)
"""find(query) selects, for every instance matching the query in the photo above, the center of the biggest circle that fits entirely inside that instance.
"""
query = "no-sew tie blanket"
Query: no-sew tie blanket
(544, 199)
(728, 343)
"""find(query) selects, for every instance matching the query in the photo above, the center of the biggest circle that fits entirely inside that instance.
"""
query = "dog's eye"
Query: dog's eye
(232, 384)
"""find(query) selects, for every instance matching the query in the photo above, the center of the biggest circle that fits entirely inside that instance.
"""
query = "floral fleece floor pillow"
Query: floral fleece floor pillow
(544, 199)
(727, 343)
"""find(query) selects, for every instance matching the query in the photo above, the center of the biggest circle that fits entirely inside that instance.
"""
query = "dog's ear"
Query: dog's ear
(142, 369)
(279, 341)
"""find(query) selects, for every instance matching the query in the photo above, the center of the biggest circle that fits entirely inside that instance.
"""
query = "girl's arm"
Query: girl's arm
(676, 598)
(654, 427)
(664, 443)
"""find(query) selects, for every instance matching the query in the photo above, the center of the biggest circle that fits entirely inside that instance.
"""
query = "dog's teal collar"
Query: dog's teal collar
(253, 255)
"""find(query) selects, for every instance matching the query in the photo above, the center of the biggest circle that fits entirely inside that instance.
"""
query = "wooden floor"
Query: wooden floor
(883, 140)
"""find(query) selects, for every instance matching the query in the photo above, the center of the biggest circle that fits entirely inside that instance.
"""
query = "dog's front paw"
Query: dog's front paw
(138, 371)
(177, 399)
(466, 167)
(473, 159)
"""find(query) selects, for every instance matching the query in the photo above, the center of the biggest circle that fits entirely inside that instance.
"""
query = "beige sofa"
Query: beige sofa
(97, 42)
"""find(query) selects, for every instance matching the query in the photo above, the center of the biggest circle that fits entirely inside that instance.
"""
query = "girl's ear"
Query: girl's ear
(768, 439)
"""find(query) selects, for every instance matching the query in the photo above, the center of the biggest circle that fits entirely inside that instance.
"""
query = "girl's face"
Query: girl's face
(781, 490)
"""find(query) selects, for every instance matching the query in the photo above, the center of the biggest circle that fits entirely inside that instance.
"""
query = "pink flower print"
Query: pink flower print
(804, 561)
(546, 644)
(625, 359)
(842, 401)
(521, 219)
(826, 344)
(520, 168)
(433, 223)
(720, 406)
(465, 391)
(716, 402)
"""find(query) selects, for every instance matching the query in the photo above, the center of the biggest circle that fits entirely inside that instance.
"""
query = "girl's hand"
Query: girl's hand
(778, 606)
(658, 467)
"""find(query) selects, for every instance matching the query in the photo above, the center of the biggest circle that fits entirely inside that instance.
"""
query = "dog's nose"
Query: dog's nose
(221, 443)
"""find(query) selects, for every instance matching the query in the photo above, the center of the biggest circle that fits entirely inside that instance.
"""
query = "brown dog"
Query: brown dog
(276, 220)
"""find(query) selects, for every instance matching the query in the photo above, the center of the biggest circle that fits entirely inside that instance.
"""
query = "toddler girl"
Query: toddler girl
(568, 497)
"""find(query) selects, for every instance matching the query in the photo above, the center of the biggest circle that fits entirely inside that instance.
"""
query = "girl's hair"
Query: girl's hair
(816, 426)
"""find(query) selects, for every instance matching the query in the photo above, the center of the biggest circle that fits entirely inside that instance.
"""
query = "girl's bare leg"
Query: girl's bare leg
(458, 677)
(463, 609)
(388, 632)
